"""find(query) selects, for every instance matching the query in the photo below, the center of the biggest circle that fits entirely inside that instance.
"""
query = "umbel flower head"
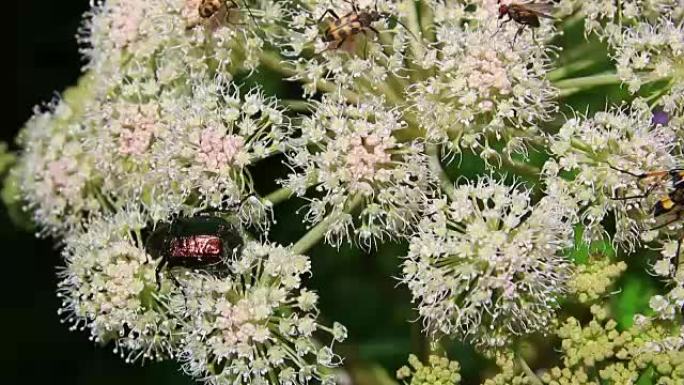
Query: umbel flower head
(622, 356)
(488, 265)
(108, 286)
(257, 325)
(57, 177)
(198, 143)
(593, 150)
(355, 161)
(142, 47)
(607, 18)
(648, 52)
(481, 90)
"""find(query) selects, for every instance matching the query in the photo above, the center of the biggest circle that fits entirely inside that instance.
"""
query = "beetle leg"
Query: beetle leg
(676, 218)
(642, 196)
(182, 289)
(328, 12)
(158, 270)
(676, 257)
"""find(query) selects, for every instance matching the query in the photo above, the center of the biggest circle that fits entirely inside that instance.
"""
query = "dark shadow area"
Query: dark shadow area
(37, 348)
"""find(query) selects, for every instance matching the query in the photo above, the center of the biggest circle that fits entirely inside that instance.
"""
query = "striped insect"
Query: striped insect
(670, 204)
(345, 28)
(525, 14)
(221, 9)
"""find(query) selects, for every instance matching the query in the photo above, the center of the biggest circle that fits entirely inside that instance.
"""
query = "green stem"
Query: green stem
(562, 72)
(587, 82)
(521, 168)
(436, 167)
(297, 105)
(273, 61)
(531, 376)
(313, 236)
(278, 196)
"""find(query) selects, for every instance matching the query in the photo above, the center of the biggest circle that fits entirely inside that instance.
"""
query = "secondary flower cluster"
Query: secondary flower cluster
(247, 321)
(605, 154)
(487, 265)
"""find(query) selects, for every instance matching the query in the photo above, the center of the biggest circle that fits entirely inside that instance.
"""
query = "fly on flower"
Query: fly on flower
(525, 14)
(672, 203)
(202, 241)
(342, 29)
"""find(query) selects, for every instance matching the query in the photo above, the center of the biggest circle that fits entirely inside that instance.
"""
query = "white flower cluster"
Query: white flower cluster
(607, 18)
(649, 52)
(197, 143)
(256, 326)
(355, 160)
(483, 90)
(595, 167)
(57, 176)
(108, 286)
(143, 47)
(489, 265)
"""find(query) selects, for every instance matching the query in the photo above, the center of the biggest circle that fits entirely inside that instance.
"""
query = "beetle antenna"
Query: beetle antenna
(626, 172)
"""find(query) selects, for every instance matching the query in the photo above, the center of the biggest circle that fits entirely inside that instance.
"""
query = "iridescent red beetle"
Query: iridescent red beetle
(206, 242)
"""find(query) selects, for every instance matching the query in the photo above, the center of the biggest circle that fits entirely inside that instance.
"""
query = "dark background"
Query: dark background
(36, 348)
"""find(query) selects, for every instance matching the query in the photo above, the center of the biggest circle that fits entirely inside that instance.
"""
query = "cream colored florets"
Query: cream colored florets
(488, 265)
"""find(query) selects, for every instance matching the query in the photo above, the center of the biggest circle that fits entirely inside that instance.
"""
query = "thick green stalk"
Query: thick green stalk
(521, 168)
(297, 105)
(278, 196)
(587, 82)
(568, 69)
(531, 376)
(313, 236)
(436, 167)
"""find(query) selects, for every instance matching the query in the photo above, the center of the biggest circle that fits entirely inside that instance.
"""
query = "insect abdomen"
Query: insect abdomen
(209, 7)
(196, 248)
(342, 28)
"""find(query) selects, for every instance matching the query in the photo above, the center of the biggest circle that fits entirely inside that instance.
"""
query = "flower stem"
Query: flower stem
(521, 168)
(570, 86)
(278, 196)
(562, 72)
(297, 105)
(436, 167)
(313, 236)
(531, 376)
